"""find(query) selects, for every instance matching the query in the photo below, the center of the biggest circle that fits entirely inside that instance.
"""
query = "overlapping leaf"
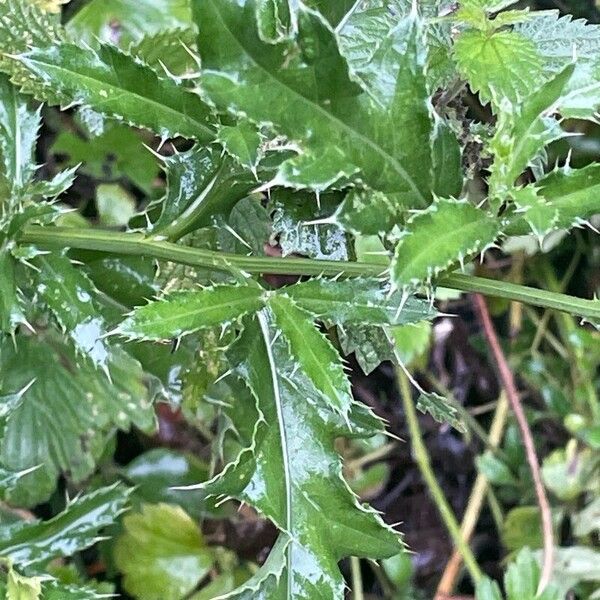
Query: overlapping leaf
(447, 233)
(62, 419)
(291, 474)
(76, 528)
(304, 88)
(114, 83)
(524, 130)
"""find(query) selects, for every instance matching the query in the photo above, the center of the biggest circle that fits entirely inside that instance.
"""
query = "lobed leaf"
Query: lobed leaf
(440, 410)
(74, 529)
(185, 312)
(114, 83)
(446, 233)
(289, 472)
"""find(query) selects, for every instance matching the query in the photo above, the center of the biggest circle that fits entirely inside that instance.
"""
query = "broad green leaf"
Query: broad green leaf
(114, 154)
(66, 411)
(360, 301)
(523, 130)
(74, 529)
(313, 352)
(522, 578)
(440, 410)
(412, 341)
(68, 293)
(161, 553)
(371, 345)
(445, 234)
(9, 479)
(115, 84)
(488, 590)
(242, 142)
(513, 77)
(276, 20)
(19, 127)
(185, 312)
(307, 93)
(290, 472)
(95, 19)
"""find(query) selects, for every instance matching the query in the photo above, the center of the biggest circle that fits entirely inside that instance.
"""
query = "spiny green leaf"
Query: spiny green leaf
(367, 212)
(74, 529)
(513, 77)
(24, 25)
(440, 410)
(117, 85)
(342, 130)
(541, 216)
(11, 309)
(19, 587)
(446, 233)
(69, 294)
(161, 553)
(94, 20)
(184, 312)
(289, 471)
(202, 184)
(523, 131)
(62, 419)
(242, 142)
(19, 126)
(313, 352)
(360, 301)
(170, 48)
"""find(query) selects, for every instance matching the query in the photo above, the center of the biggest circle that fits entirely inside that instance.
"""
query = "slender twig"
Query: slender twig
(136, 244)
(473, 510)
(509, 385)
(423, 462)
(357, 584)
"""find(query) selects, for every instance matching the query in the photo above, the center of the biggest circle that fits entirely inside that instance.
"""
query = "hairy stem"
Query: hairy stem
(422, 458)
(510, 387)
(139, 245)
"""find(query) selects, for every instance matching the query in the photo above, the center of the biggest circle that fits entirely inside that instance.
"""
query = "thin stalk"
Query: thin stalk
(423, 461)
(510, 387)
(357, 583)
(476, 499)
(139, 245)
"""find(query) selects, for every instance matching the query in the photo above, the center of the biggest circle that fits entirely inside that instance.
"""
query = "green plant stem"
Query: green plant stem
(139, 245)
(422, 457)
(473, 510)
(357, 584)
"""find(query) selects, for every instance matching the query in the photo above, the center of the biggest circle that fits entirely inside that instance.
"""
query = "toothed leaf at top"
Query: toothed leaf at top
(117, 85)
(303, 87)
(514, 77)
(290, 473)
(66, 411)
(359, 301)
(315, 355)
(77, 527)
(522, 132)
(184, 312)
(440, 237)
